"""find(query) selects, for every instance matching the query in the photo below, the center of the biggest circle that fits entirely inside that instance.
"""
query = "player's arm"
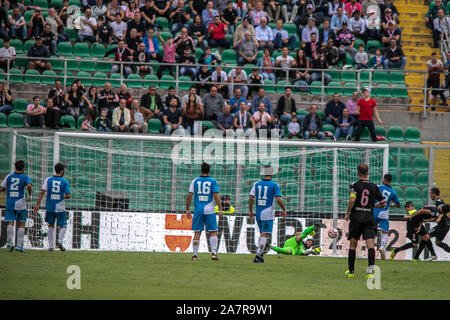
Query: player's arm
(250, 207)
(438, 219)
(418, 212)
(351, 203)
(29, 191)
(379, 197)
(281, 204)
(217, 199)
(2, 189)
(381, 204)
(38, 202)
(188, 205)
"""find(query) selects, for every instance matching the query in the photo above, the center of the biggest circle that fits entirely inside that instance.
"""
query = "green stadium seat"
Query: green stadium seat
(79, 123)
(115, 80)
(322, 175)
(97, 81)
(49, 77)
(103, 66)
(65, 49)
(358, 42)
(399, 91)
(291, 190)
(334, 74)
(32, 76)
(15, 120)
(208, 125)
(251, 173)
(364, 75)
(349, 88)
(321, 114)
(268, 86)
(285, 174)
(68, 121)
(373, 44)
(281, 86)
(395, 134)
(326, 191)
(17, 44)
(16, 75)
(415, 152)
(397, 77)
(407, 178)
(420, 164)
(163, 23)
(97, 50)
(412, 134)
(400, 193)
(2, 75)
(81, 49)
(316, 87)
(27, 45)
(151, 80)
(86, 82)
(73, 64)
(413, 194)
(404, 163)
(165, 35)
(301, 112)
(57, 4)
(72, 33)
(348, 76)
(154, 125)
(334, 87)
(328, 127)
(382, 90)
(27, 15)
(40, 3)
(87, 65)
(290, 28)
(422, 179)
(3, 120)
(137, 83)
(169, 82)
(186, 85)
(20, 105)
(365, 135)
(229, 56)
(380, 130)
(380, 76)
(198, 53)
(395, 178)
(57, 63)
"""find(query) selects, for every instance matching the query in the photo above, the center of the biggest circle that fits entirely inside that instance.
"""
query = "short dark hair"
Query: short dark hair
(20, 165)
(435, 190)
(171, 88)
(363, 169)
(409, 203)
(445, 208)
(59, 167)
(388, 177)
(205, 168)
(35, 97)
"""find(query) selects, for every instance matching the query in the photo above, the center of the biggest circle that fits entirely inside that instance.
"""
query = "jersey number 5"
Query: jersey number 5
(365, 197)
(56, 186)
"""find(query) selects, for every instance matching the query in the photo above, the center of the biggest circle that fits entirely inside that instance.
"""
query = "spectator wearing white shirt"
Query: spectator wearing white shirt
(440, 25)
(7, 53)
(264, 35)
(358, 26)
(89, 27)
(17, 24)
(293, 128)
(219, 78)
(99, 9)
(237, 79)
(285, 61)
(119, 28)
(306, 32)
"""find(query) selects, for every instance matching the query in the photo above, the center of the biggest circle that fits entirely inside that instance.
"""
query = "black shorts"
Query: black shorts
(413, 236)
(433, 84)
(439, 231)
(367, 228)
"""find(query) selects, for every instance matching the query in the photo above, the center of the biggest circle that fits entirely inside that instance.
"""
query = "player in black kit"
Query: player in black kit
(363, 195)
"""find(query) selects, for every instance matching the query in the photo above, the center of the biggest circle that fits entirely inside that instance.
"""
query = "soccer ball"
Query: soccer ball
(333, 233)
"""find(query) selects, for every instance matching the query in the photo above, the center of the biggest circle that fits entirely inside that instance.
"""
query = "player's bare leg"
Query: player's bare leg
(213, 244)
(370, 257)
(350, 273)
(10, 236)
(195, 244)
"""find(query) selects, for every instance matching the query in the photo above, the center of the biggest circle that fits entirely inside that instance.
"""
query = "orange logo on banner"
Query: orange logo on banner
(174, 242)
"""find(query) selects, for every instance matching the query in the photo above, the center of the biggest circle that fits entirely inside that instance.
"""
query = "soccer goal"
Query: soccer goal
(128, 192)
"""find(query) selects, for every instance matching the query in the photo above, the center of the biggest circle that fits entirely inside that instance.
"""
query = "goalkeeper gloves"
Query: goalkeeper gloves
(316, 250)
(312, 234)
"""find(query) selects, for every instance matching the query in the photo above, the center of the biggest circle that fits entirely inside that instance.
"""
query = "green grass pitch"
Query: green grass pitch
(136, 275)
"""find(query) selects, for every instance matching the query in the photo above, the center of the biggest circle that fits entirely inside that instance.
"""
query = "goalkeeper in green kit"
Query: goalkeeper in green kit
(302, 243)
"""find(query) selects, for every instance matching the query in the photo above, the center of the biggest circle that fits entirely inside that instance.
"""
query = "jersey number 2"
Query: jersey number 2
(14, 184)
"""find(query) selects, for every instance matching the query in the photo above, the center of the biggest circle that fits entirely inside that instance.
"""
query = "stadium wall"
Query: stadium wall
(160, 232)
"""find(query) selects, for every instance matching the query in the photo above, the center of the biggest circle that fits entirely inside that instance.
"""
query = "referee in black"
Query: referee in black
(363, 195)
(443, 220)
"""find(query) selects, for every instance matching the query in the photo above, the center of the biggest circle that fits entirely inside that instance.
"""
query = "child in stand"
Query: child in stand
(169, 55)
(104, 124)
(378, 60)
(89, 118)
(361, 58)
(255, 78)
(293, 128)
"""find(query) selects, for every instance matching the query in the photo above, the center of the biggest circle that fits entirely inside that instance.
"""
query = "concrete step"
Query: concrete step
(409, 2)
(415, 28)
(412, 21)
(418, 37)
(416, 43)
(415, 66)
(411, 8)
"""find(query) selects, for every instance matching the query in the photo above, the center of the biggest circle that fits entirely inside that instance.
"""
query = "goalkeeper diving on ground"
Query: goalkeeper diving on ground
(302, 244)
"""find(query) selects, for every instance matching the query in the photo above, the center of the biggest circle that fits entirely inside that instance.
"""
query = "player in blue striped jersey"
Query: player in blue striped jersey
(264, 193)
(205, 191)
(57, 189)
(16, 207)
(382, 214)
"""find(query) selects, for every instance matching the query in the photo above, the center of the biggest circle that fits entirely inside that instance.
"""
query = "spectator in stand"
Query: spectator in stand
(361, 58)
(345, 40)
(36, 24)
(187, 64)
(139, 24)
(338, 20)
(319, 62)
(238, 79)
(255, 81)
(390, 5)
(302, 69)
(243, 120)
(89, 27)
(172, 117)
(352, 103)
(247, 50)
(262, 119)
(365, 5)
(293, 128)
(366, 108)
(333, 7)
(377, 61)
(333, 109)
(152, 45)
(197, 6)
(217, 32)
(35, 114)
(208, 58)
(351, 7)
(312, 125)
(162, 7)
(273, 9)
(209, 14)
(197, 31)
(344, 125)
(373, 25)
(219, 79)
(264, 35)
(108, 99)
(179, 17)
(185, 98)
(241, 8)
(48, 39)
(286, 63)
(119, 29)
(7, 53)
(303, 19)
(104, 124)
(332, 54)
(394, 56)
(57, 94)
(169, 96)
(6, 102)
(326, 33)
(104, 33)
(91, 99)
(225, 121)
(213, 103)
(57, 26)
(204, 77)
(121, 118)
(261, 98)
(446, 84)
(98, 10)
(143, 57)
(434, 68)
(139, 117)
(440, 25)
(4, 21)
(88, 121)
(230, 17)
(113, 9)
(52, 115)
(125, 94)
(357, 25)
(192, 112)
(153, 102)
(289, 11)
(286, 108)
(257, 14)
(240, 32)
(149, 14)
(236, 100)
(63, 14)
(390, 33)
(183, 41)
(388, 18)
(433, 12)
(267, 63)
(321, 9)
(73, 101)
(281, 38)
(131, 10)
(308, 30)
(38, 50)
(311, 48)
(121, 54)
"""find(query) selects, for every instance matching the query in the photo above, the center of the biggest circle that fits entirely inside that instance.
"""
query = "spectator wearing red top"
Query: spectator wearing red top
(365, 108)
(217, 31)
(351, 7)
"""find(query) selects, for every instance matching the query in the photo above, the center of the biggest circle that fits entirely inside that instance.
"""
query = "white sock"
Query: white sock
(195, 245)
(10, 234)
(20, 233)
(261, 245)
(62, 233)
(50, 233)
(384, 239)
(213, 243)
(370, 269)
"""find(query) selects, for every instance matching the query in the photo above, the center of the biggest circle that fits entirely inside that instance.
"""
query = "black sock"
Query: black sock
(430, 248)
(404, 247)
(444, 246)
(351, 260)
(420, 249)
(371, 256)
